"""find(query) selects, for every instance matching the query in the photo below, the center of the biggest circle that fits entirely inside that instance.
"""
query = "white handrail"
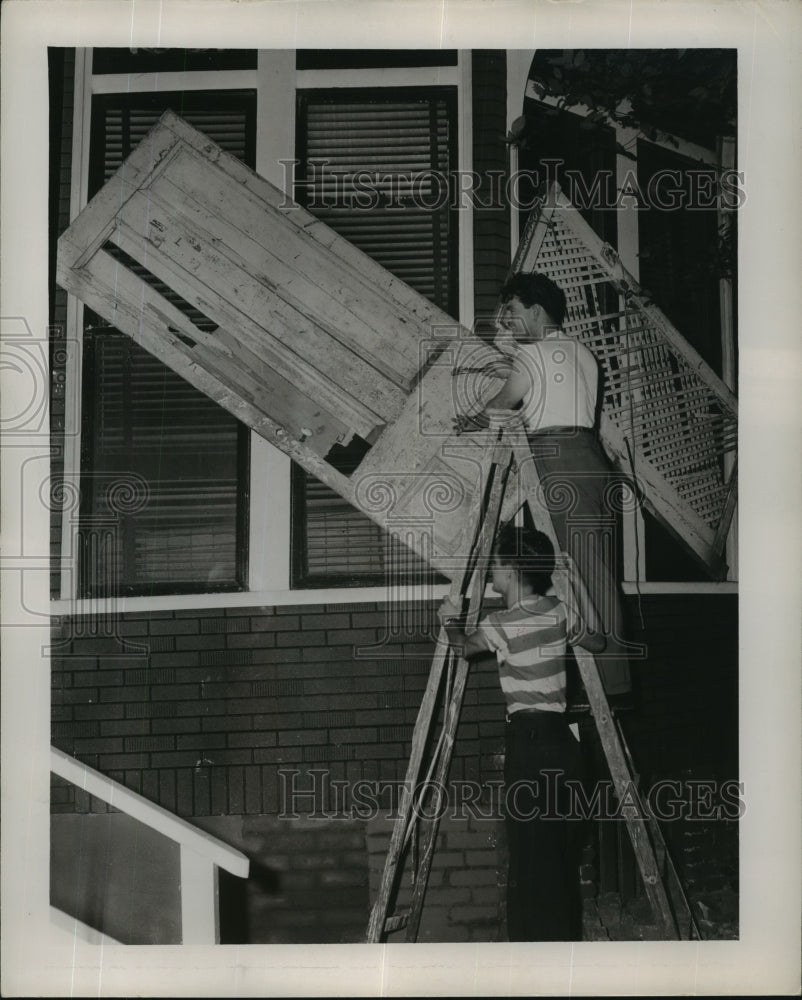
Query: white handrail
(147, 812)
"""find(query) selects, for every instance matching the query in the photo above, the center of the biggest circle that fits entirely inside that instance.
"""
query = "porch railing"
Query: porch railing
(201, 854)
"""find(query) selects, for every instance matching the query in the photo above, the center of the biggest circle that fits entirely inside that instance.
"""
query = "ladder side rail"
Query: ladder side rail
(499, 470)
(378, 922)
(602, 714)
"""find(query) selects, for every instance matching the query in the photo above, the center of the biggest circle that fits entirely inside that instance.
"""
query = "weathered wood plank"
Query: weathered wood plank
(352, 263)
(90, 230)
(353, 310)
(258, 316)
(158, 327)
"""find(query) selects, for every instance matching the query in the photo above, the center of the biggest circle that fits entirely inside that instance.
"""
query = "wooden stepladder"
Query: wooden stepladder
(418, 817)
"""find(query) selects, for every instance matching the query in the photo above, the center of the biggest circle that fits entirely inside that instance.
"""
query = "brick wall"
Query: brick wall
(219, 715)
(202, 710)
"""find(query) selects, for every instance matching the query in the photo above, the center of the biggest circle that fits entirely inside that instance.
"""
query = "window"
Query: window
(225, 510)
(162, 508)
(376, 168)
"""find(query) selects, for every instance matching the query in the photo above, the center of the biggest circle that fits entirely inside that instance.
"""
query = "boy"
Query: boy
(529, 638)
(553, 380)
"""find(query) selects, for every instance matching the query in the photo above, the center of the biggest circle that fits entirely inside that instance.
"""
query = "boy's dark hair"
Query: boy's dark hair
(536, 289)
(528, 551)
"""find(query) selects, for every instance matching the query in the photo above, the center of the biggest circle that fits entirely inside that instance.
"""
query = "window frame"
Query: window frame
(269, 481)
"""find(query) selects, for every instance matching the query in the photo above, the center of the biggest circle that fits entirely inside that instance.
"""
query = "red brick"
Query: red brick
(185, 626)
(99, 678)
(252, 739)
(176, 759)
(201, 798)
(182, 692)
(106, 744)
(118, 727)
(276, 721)
(470, 877)
(236, 791)
(144, 744)
(120, 761)
(276, 623)
(167, 785)
(325, 621)
(281, 655)
(209, 625)
(184, 796)
(351, 637)
(206, 642)
(175, 726)
(253, 790)
(250, 640)
(200, 742)
(182, 659)
(301, 639)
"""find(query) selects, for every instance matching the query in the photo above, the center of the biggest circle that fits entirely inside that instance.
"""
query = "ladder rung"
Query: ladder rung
(396, 923)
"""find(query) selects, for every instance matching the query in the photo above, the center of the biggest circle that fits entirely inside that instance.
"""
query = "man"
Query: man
(553, 381)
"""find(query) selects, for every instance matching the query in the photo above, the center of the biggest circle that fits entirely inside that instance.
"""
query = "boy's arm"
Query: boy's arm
(584, 626)
(469, 645)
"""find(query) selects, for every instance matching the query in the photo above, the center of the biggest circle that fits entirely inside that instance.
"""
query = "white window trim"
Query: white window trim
(270, 468)
(634, 549)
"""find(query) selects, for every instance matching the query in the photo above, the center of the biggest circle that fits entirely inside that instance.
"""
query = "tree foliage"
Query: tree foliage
(687, 92)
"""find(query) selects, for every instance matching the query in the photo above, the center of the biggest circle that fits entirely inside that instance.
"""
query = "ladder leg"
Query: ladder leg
(644, 832)
(492, 482)
(398, 838)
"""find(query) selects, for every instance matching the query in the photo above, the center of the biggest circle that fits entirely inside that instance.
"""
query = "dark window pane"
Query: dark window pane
(162, 462)
(170, 60)
(374, 167)
(373, 58)
(164, 504)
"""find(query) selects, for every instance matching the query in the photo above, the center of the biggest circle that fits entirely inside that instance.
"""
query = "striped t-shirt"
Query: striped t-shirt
(529, 641)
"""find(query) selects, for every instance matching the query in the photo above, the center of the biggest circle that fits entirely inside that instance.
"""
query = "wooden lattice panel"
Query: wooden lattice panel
(666, 414)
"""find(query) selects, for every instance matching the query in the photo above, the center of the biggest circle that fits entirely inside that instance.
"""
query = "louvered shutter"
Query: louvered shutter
(376, 168)
(164, 506)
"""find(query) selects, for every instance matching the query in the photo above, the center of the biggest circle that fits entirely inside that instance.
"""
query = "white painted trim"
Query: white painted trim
(152, 815)
(78, 930)
(269, 508)
(409, 76)
(254, 599)
(200, 911)
(79, 186)
(680, 587)
(154, 83)
(464, 167)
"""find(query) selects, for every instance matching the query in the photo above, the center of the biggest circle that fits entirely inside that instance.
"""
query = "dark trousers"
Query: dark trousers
(582, 494)
(544, 841)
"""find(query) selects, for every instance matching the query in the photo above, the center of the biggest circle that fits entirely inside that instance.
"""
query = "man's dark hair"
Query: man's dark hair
(536, 289)
(528, 551)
